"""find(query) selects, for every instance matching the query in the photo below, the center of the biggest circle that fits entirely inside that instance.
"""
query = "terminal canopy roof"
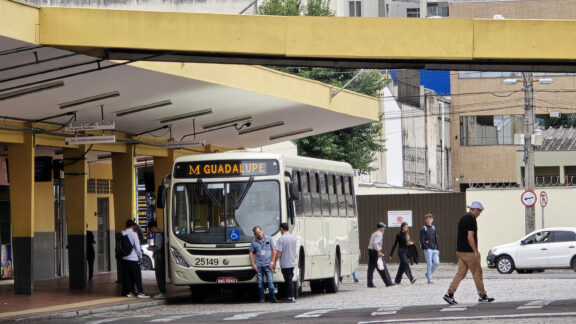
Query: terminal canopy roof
(229, 106)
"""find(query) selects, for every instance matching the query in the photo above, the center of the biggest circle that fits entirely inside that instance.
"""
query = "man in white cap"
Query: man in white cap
(468, 255)
(375, 253)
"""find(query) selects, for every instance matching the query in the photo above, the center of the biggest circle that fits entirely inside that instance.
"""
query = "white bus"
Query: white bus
(215, 200)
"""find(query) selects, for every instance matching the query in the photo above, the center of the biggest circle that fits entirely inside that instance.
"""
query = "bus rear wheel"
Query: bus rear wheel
(333, 284)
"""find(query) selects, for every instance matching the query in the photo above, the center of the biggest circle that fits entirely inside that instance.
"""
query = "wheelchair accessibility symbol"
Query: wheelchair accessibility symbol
(234, 235)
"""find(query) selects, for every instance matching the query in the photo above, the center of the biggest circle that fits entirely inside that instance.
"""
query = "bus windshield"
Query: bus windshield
(225, 212)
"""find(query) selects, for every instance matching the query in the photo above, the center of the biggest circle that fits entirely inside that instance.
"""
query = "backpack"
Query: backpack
(124, 246)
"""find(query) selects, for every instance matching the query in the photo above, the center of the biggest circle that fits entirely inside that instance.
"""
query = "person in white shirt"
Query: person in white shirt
(132, 274)
(286, 253)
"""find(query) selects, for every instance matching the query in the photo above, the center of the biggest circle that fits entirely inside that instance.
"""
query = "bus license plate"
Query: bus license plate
(226, 280)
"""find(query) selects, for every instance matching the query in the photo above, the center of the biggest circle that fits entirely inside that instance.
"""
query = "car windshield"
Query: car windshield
(225, 212)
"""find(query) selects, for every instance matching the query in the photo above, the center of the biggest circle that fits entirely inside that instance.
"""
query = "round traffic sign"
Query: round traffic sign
(528, 198)
(543, 199)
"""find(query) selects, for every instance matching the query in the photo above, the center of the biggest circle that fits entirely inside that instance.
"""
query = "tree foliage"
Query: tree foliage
(356, 145)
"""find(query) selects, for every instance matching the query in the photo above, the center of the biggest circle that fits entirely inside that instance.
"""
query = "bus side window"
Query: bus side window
(316, 199)
(324, 194)
(306, 193)
(339, 187)
(332, 195)
(350, 196)
(299, 204)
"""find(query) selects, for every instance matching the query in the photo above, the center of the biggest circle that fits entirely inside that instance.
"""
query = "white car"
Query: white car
(548, 248)
(147, 262)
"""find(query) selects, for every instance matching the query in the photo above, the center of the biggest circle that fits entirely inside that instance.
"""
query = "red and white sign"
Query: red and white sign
(528, 198)
(543, 199)
(397, 217)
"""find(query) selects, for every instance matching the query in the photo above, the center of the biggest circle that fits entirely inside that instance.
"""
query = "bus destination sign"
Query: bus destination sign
(235, 168)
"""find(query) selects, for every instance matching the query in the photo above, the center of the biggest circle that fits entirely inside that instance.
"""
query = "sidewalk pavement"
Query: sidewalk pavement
(54, 298)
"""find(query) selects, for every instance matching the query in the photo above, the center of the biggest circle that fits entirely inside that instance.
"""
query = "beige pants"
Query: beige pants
(467, 260)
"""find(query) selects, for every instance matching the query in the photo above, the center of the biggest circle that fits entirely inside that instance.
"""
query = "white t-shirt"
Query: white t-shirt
(287, 245)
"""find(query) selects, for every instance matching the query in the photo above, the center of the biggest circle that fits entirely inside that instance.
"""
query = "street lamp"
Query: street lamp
(528, 81)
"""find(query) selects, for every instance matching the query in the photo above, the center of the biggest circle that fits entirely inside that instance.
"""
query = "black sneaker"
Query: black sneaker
(485, 299)
(450, 299)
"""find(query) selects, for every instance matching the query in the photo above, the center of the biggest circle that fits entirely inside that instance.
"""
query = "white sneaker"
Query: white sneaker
(141, 295)
(130, 295)
(160, 296)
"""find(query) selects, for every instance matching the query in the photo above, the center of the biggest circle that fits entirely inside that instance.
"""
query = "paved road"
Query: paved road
(548, 297)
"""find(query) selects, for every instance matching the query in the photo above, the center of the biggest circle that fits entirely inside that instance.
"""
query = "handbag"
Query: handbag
(380, 264)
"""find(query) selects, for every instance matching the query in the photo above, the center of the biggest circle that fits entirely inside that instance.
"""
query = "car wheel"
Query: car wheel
(146, 263)
(505, 265)
(574, 263)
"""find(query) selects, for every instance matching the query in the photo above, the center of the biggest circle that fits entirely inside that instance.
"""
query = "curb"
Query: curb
(87, 312)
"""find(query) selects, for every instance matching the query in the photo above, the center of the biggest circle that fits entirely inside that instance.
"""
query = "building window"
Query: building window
(413, 12)
(355, 8)
(490, 130)
(438, 10)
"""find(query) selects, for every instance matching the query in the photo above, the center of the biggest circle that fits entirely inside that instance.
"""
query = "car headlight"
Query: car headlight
(178, 257)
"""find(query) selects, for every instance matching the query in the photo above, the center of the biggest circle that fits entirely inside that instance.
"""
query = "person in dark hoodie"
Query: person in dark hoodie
(403, 241)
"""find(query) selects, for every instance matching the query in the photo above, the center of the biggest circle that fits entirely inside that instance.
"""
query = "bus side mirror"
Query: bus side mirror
(294, 193)
(161, 197)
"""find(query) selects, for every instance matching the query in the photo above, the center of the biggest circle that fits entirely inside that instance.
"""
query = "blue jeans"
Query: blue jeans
(265, 271)
(432, 261)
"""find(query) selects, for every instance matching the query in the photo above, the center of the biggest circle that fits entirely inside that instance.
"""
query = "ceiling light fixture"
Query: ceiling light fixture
(227, 121)
(89, 99)
(25, 91)
(136, 109)
(261, 127)
(185, 116)
(296, 132)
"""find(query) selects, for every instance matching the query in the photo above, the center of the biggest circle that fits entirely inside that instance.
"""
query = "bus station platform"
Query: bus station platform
(54, 298)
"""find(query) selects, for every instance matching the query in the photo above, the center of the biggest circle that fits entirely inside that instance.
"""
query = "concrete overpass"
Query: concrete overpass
(449, 44)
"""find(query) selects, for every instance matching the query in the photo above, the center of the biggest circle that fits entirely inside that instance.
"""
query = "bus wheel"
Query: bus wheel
(300, 279)
(332, 284)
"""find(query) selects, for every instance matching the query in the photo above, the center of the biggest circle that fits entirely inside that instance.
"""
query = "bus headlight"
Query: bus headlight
(178, 257)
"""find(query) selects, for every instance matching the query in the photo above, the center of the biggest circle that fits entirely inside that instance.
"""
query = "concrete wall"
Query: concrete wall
(44, 232)
(503, 218)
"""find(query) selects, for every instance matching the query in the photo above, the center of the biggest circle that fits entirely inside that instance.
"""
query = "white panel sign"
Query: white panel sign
(397, 217)
(90, 140)
(182, 144)
(98, 125)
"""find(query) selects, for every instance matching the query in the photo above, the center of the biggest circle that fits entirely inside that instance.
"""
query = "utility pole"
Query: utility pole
(530, 214)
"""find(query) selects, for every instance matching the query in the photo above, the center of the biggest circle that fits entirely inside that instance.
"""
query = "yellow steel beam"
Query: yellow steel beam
(19, 21)
(335, 38)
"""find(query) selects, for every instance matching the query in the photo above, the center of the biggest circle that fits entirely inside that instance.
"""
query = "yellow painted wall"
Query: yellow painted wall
(503, 218)
(43, 207)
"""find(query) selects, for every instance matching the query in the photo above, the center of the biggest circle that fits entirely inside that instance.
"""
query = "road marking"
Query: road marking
(106, 320)
(536, 304)
(170, 318)
(316, 313)
(455, 308)
(244, 316)
(386, 311)
(464, 318)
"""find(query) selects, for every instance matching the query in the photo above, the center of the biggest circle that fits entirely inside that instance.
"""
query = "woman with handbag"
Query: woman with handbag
(403, 241)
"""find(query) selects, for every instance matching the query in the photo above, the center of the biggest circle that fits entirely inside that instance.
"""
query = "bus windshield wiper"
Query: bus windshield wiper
(209, 193)
(242, 195)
